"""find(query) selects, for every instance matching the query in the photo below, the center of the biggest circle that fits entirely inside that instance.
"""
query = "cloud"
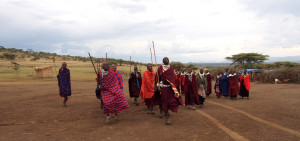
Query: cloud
(187, 31)
(132, 8)
(271, 7)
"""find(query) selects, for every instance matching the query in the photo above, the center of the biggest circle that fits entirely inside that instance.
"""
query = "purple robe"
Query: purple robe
(64, 82)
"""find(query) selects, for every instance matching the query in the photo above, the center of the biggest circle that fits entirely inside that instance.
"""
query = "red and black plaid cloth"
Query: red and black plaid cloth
(113, 97)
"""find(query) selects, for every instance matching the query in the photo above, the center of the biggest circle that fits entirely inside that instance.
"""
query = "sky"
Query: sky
(203, 31)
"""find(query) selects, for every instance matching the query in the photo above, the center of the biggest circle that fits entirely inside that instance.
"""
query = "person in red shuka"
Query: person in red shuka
(191, 91)
(182, 78)
(166, 95)
(147, 90)
(177, 79)
(208, 79)
(113, 98)
(234, 89)
(245, 84)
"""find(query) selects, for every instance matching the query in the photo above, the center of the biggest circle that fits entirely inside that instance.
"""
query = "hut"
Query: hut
(45, 72)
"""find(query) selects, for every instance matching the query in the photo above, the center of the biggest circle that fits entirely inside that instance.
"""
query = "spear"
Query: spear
(151, 57)
(156, 64)
(106, 56)
(93, 64)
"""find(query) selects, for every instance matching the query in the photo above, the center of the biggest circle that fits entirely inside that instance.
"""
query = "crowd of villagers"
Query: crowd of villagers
(164, 87)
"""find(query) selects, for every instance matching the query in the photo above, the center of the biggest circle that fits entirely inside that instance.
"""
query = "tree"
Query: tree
(247, 59)
(193, 67)
(120, 61)
(9, 56)
(285, 64)
(111, 61)
(177, 65)
(16, 67)
(2, 48)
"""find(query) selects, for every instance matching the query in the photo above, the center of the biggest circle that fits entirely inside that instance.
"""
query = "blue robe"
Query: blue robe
(64, 82)
(225, 85)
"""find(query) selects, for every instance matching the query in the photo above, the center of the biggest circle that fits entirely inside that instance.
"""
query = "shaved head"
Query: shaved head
(166, 60)
(113, 67)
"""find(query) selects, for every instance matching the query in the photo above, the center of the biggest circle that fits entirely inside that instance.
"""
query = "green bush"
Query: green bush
(9, 56)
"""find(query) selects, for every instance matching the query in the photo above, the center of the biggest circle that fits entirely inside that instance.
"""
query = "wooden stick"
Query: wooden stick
(106, 56)
(156, 65)
(99, 65)
(93, 64)
(151, 57)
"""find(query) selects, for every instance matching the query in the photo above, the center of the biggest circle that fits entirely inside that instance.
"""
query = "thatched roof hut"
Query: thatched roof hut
(45, 72)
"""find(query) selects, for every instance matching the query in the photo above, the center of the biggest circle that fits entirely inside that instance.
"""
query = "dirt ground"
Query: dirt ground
(35, 112)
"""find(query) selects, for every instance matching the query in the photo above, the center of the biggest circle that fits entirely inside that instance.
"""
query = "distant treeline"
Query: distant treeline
(13, 53)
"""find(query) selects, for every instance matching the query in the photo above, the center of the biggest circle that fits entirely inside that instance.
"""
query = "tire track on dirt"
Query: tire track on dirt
(231, 133)
(274, 125)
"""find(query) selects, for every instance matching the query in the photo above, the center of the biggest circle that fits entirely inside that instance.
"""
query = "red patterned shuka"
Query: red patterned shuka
(113, 97)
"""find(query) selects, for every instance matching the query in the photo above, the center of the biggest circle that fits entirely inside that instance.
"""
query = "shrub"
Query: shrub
(9, 56)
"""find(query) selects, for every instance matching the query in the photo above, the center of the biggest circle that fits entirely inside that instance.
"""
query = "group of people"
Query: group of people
(227, 84)
(156, 88)
(164, 88)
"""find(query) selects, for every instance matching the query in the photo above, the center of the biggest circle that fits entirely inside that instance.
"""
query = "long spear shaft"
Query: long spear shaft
(106, 56)
(93, 64)
(151, 57)
(156, 64)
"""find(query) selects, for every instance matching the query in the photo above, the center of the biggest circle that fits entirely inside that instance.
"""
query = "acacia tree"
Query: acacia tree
(177, 65)
(247, 59)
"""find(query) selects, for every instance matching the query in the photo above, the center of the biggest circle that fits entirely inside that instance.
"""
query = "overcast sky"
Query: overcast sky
(186, 31)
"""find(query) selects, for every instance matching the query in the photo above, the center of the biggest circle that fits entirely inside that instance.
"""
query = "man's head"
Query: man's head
(135, 69)
(201, 70)
(105, 66)
(189, 70)
(166, 61)
(113, 67)
(206, 71)
(64, 65)
(245, 71)
(220, 74)
(149, 67)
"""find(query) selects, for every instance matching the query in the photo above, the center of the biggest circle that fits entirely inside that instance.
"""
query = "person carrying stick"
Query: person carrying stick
(166, 94)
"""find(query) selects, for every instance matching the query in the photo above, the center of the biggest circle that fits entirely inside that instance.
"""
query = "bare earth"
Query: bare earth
(35, 112)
